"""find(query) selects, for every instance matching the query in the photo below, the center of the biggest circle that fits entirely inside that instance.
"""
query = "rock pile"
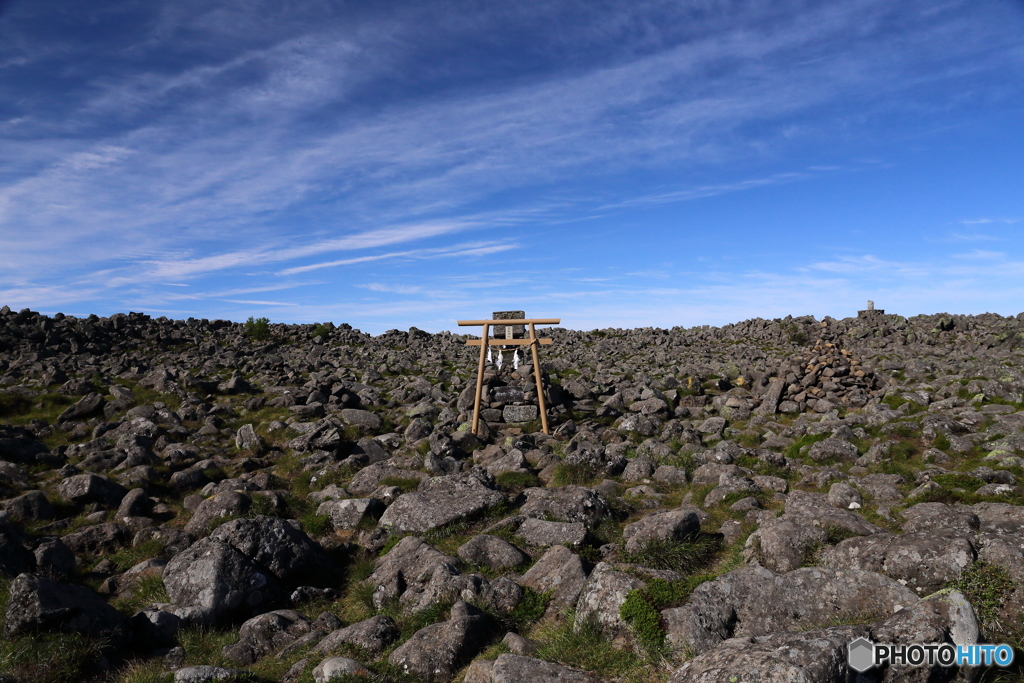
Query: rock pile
(713, 503)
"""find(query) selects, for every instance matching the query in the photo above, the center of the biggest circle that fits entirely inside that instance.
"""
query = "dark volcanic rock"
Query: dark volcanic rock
(40, 604)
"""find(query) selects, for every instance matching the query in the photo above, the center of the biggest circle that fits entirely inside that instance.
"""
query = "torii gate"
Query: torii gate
(532, 341)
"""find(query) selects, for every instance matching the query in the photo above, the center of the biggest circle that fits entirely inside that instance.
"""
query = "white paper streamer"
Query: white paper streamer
(489, 355)
(497, 362)
(515, 360)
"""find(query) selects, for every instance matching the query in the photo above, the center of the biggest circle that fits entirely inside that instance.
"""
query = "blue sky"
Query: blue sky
(622, 164)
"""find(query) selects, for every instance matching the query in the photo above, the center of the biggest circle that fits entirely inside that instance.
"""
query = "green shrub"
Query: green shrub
(321, 330)
(257, 329)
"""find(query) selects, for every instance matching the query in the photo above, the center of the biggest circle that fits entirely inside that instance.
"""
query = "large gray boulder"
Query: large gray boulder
(924, 561)
(281, 547)
(491, 551)
(368, 479)
(782, 544)
(560, 571)
(98, 539)
(40, 604)
(436, 652)
(371, 635)
(337, 668)
(209, 512)
(673, 525)
(29, 507)
(216, 583)
(566, 504)
(815, 656)
(931, 516)
(266, 634)
(86, 406)
(442, 500)
(408, 566)
(602, 596)
(82, 489)
(1000, 518)
(945, 617)
(346, 514)
(510, 668)
(753, 601)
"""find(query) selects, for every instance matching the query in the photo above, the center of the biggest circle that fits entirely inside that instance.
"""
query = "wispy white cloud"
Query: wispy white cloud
(442, 252)
(260, 303)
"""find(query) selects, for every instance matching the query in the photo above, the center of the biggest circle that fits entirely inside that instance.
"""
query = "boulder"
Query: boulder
(54, 559)
(266, 634)
(206, 515)
(15, 557)
(512, 668)
(247, 439)
(206, 673)
(346, 515)
(753, 601)
(336, 668)
(98, 539)
(1000, 518)
(86, 406)
(673, 525)
(782, 544)
(815, 656)
(931, 516)
(29, 507)
(560, 571)
(218, 583)
(833, 449)
(281, 547)
(491, 551)
(566, 504)
(442, 500)
(40, 604)
(82, 489)
(946, 617)
(924, 561)
(602, 596)
(368, 479)
(541, 532)
(408, 566)
(371, 635)
(436, 652)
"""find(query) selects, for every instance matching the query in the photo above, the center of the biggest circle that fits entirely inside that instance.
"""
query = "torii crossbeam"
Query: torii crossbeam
(532, 341)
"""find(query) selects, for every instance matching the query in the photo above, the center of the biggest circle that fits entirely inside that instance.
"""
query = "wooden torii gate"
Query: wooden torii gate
(532, 341)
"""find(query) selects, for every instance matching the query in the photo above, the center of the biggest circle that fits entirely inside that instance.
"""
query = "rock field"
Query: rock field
(212, 501)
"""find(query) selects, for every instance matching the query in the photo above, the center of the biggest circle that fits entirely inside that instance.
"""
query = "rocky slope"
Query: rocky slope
(200, 500)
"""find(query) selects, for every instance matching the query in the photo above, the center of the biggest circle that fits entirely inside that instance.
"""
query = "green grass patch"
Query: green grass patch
(146, 591)
(514, 482)
(987, 587)
(642, 608)
(585, 647)
(682, 556)
(406, 484)
(49, 657)
(793, 451)
(573, 475)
